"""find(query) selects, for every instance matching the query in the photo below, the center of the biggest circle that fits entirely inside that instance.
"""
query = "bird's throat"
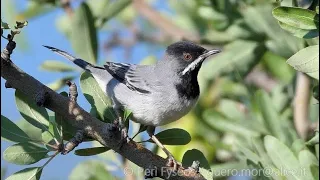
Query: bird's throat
(188, 87)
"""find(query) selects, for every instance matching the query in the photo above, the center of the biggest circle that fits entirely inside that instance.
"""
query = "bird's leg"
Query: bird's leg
(171, 161)
(122, 128)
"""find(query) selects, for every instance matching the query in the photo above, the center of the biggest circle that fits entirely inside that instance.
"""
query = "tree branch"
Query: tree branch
(301, 105)
(104, 133)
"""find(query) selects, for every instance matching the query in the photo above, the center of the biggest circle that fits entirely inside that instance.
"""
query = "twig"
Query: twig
(104, 133)
(301, 105)
(66, 5)
(74, 142)
(164, 24)
(73, 92)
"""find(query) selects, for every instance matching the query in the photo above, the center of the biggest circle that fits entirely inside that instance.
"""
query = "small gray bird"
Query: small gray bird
(155, 94)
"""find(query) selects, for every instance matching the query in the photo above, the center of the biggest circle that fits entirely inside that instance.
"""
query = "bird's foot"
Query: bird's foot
(124, 137)
(173, 163)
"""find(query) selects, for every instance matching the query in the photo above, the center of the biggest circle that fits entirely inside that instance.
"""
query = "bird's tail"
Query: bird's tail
(79, 62)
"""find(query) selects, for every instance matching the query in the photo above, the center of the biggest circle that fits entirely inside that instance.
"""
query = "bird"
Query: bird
(155, 94)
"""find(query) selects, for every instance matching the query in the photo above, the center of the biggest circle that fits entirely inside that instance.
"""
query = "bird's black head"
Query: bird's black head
(185, 59)
(187, 56)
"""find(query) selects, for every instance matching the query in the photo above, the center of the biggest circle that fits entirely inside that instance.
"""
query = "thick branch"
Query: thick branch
(301, 105)
(105, 133)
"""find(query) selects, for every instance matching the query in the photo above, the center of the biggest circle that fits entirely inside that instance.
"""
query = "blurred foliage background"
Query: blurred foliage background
(256, 109)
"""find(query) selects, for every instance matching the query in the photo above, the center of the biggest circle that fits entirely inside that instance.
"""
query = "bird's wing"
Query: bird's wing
(130, 75)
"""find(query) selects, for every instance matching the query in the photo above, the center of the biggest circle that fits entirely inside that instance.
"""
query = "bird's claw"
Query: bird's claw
(173, 163)
(124, 137)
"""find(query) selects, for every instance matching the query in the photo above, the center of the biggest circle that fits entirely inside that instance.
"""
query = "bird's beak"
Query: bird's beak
(208, 53)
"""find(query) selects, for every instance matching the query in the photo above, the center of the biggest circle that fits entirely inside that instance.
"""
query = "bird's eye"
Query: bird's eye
(187, 56)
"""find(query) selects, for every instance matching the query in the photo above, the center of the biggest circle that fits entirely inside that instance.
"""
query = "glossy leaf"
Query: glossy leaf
(60, 83)
(223, 124)
(33, 132)
(307, 160)
(31, 173)
(300, 33)
(173, 136)
(206, 173)
(297, 17)
(84, 35)
(297, 146)
(273, 62)
(11, 132)
(89, 170)
(56, 66)
(35, 9)
(239, 55)
(112, 10)
(91, 151)
(270, 115)
(283, 158)
(96, 97)
(306, 61)
(195, 155)
(35, 115)
(314, 140)
(24, 153)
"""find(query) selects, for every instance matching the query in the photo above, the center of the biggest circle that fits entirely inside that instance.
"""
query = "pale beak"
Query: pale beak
(208, 53)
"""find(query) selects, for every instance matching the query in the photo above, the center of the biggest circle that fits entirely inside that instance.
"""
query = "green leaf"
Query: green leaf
(91, 151)
(227, 166)
(4, 25)
(56, 66)
(274, 62)
(90, 170)
(256, 167)
(11, 132)
(297, 146)
(316, 92)
(300, 33)
(33, 132)
(127, 114)
(314, 140)
(307, 160)
(96, 97)
(297, 17)
(217, 121)
(195, 155)
(84, 35)
(173, 136)
(24, 153)
(315, 172)
(238, 56)
(31, 173)
(20, 24)
(35, 9)
(58, 84)
(112, 10)
(35, 115)
(283, 158)
(306, 61)
(270, 115)
(206, 173)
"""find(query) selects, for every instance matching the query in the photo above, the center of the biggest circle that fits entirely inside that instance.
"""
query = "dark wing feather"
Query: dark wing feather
(128, 75)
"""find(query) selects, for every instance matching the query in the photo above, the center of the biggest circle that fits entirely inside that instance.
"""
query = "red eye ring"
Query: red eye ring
(187, 56)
